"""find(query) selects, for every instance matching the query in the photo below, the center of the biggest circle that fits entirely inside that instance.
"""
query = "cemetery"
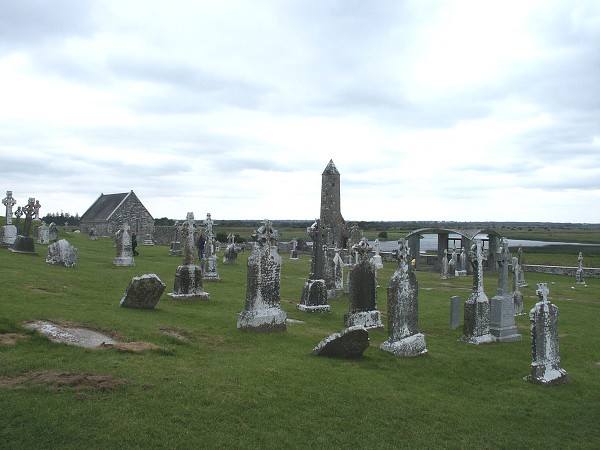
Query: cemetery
(244, 367)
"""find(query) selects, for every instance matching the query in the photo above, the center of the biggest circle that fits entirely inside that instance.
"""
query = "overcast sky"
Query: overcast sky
(431, 110)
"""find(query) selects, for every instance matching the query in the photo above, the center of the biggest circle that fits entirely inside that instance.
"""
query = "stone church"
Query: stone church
(110, 211)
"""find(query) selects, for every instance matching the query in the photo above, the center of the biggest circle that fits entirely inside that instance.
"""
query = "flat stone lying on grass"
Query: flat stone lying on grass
(349, 343)
(143, 292)
(81, 337)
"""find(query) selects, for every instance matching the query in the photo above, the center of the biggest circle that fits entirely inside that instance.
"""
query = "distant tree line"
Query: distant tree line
(61, 219)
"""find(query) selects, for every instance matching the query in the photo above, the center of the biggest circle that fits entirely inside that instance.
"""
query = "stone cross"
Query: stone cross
(18, 213)
(9, 202)
(187, 232)
(37, 205)
(29, 211)
(476, 258)
(580, 259)
(463, 259)
(209, 225)
(503, 263)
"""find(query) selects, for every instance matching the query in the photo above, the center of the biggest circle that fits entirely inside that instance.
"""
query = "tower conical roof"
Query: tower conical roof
(331, 169)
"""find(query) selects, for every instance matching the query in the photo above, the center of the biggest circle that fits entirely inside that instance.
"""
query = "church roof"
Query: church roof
(104, 207)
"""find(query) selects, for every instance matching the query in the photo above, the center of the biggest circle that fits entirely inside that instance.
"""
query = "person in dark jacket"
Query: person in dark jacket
(134, 244)
(200, 244)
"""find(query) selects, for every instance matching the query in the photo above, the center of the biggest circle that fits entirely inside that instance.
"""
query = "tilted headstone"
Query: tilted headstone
(143, 292)
(209, 262)
(349, 343)
(188, 276)
(404, 337)
(502, 307)
(62, 253)
(476, 324)
(314, 293)
(124, 256)
(579, 273)
(545, 355)
(516, 293)
(362, 309)
(263, 310)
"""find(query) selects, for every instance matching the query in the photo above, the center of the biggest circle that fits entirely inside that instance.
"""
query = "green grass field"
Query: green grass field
(223, 388)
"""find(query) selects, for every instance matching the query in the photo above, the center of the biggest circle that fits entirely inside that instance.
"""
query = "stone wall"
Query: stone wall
(588, 272)
(164, 234)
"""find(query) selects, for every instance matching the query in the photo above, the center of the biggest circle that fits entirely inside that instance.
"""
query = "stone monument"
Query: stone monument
(209, 262)
(314, 293)
(502, 308)
(404, 338)
(124, 255)
(545, 356)
(9, 230)
(52, 232)
(263, 312)
(92, 234)
(294, 251)
(43, 234)
(476, 325)
(62, 253)
(444, 265)
(349, 343)
(362, 310)
(522, 282)
(231, 251)
(143, 292)
(516, 293)
(579, 273)
(188, 276)
(175, 247)
(24, 243)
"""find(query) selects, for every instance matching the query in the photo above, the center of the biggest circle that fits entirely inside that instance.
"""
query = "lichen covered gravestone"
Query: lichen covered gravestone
(502, 307)
(476, 325)
(124, 256)
(24, 243)
(62, 253)
(545, 363)
(404, 338)
(263, 312)
(143, 292)
(231, 251)
(362, 309)
(9, 234)
(314, 293)
(43, 234)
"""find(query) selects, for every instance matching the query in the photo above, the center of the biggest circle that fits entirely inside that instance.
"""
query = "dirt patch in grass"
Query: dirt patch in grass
(57, 381)
(174, 332)
(11, 338)
(134, 347)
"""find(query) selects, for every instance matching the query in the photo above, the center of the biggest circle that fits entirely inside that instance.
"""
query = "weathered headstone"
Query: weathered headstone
(314, 293)
(349, 343)
(452, 265)
(502, 308)
(24, 243)
(444, 265)
(522, 282)
(579, 273)
(209, 262)
(454, 311)
(124, 256)
(175, 247)
(404, 337)
(231, 251)
(362, 310)
(62, 253)
(516, 293)
(43, 234)
(52, 232)
(188, 276)
(338, 268)
(462, 258)
(9, 230)
(143, 292)
(545, 355)
(263, 311)
(476, 324)
(294, 251)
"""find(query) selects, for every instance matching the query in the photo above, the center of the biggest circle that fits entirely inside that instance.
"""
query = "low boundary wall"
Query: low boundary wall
(588, 272)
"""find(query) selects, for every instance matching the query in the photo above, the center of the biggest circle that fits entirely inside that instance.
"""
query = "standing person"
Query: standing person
(200, 244)
(134, 244)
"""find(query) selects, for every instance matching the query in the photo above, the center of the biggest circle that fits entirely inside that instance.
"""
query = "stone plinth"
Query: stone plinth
(188, 284)
(263, 320)
(62, 253)
(314, 297)
(175, 249)
(24, 244)
(349, 343)
(413, 345)
(143, 292)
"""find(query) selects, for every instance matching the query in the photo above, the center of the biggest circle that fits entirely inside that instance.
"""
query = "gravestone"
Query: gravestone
(209, 262)
(454, 311)
(175, 247)
(188, 276)
(502, 307)
(522, 282)
(376, 259)
(124, 256)
(24, 243)
(231, 252)
(476, 324)
(579, 273)
(294, 251)
(143, 292)
(263, 312)
(516, 293)
(462, 258)
(52, 232)
(93, 235)
(444, 265)
(452, 265)
(43, 234)
(545, 355)
(349, 343)
(404, 338)
(314, 293)
(62, 253)
(362, 309)
(338, 270)
(9, 230)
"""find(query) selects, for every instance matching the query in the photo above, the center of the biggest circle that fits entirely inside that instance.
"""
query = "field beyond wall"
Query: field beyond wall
(204, 384)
